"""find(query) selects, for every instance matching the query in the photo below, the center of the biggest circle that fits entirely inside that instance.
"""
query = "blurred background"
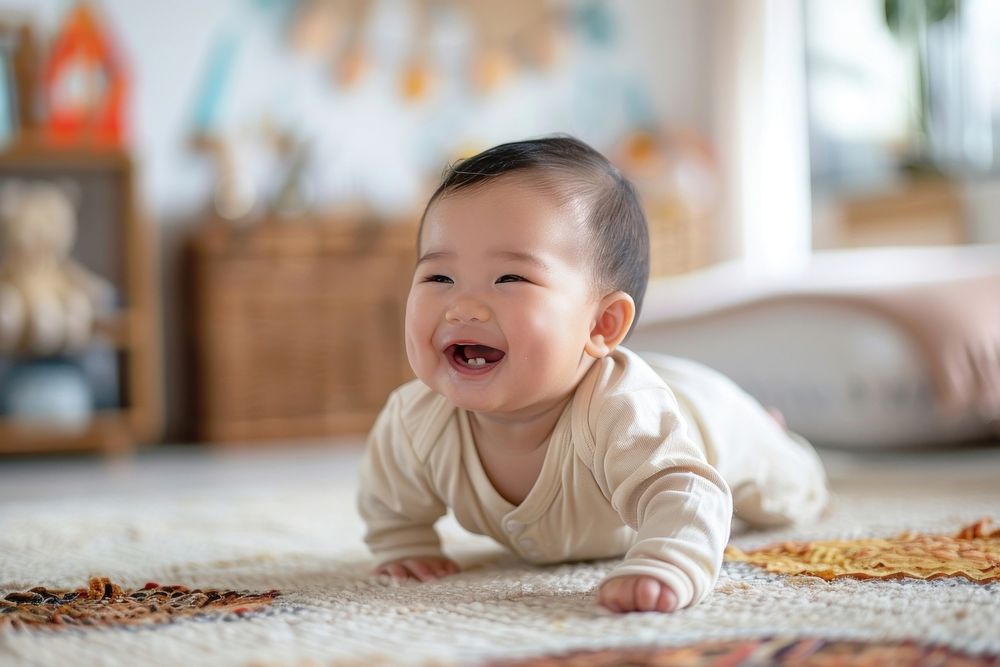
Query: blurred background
(208, 209)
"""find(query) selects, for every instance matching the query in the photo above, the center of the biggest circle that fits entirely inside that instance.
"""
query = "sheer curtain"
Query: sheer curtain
(762, 133)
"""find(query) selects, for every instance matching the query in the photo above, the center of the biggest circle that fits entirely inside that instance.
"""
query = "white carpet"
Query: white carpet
(256, 530)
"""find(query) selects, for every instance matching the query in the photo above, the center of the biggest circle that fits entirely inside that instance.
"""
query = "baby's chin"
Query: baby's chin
(472, 401)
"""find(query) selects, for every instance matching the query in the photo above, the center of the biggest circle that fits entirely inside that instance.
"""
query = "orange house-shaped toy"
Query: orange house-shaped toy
(85, 85)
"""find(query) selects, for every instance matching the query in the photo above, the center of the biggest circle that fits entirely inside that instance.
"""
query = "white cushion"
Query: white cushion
(841, 376)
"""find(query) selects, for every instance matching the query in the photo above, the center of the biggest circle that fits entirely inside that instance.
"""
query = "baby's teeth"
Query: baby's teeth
(478, 361)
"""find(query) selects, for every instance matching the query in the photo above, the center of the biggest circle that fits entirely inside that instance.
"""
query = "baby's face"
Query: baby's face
(501, 304)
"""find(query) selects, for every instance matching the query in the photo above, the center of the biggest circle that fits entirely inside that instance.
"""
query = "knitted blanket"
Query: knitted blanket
(265, 573)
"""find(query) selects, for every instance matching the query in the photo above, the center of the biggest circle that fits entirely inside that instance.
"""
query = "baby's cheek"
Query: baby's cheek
(411, 354)
(417, 340)
(550, 344)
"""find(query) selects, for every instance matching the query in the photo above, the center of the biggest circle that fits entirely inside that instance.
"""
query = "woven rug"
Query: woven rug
(276, 574)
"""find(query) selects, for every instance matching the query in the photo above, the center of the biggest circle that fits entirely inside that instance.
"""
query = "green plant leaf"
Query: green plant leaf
(904, 23)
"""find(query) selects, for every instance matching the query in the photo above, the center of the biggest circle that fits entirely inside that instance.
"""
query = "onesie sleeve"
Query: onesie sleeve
(661, 484)
(396, 499)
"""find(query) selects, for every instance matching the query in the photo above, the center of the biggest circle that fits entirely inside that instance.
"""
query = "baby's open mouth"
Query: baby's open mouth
(474, 356)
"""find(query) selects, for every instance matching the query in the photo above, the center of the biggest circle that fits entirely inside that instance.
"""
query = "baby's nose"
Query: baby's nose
(468, 310)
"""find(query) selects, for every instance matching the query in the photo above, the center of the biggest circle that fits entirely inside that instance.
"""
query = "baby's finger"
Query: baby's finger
(396, 571)
(626, 595)
(609, 601)
(667, 601)
(419, 569)
(647, 593)
(443, 568)
(611, 596)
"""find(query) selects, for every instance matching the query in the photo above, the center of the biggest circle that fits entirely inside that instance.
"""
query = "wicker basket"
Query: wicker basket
(681, 217)
(298, 327)
(678, 238)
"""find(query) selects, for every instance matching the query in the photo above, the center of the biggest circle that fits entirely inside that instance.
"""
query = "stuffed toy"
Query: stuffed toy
(48, 302)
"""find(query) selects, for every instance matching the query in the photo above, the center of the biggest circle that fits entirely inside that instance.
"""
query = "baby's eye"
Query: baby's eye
(437, 278)
(509, 278)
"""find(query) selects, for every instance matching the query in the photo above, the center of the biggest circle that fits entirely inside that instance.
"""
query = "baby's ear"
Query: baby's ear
(614, 318)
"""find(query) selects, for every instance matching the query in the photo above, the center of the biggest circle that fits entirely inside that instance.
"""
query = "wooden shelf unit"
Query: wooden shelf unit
(106, 181)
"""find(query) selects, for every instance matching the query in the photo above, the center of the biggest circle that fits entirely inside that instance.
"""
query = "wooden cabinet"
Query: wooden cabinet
(114, 241)
(298, 326)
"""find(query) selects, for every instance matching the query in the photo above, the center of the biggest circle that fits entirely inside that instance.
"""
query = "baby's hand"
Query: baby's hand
(636, 593)
(424, 568)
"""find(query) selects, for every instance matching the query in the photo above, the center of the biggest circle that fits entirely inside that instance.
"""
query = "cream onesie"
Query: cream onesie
(633, 467)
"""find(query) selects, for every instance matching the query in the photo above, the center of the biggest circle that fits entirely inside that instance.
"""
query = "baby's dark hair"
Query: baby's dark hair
(572, 168)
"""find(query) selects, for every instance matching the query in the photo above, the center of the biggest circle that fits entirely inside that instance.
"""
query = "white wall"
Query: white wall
(673, 45)
(169, 46)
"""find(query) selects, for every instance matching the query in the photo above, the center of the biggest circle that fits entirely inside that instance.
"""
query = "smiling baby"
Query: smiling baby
(532, 423)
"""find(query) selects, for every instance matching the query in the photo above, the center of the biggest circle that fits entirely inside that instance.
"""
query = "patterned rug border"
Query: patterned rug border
(105, 604)
(807, 651)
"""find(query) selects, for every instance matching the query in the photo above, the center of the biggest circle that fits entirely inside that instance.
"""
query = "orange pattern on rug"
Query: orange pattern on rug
(778, 651)
(973, 553)
(104, 603)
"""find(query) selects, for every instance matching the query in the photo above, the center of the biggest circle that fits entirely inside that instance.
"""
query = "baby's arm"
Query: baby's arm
(399, 504)
(661, 484)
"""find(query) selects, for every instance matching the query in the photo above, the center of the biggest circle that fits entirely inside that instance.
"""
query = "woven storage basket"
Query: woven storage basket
(678, 239)
(676, 176)
(298, 327)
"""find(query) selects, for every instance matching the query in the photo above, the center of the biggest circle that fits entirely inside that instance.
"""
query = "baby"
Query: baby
(530, 420)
